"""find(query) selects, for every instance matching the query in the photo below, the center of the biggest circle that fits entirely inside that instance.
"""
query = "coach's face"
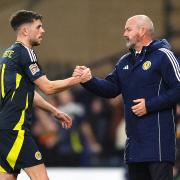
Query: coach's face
(131, 33)
(35, 32)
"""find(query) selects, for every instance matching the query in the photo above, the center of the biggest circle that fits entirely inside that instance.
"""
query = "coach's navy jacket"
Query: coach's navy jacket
(155, 76)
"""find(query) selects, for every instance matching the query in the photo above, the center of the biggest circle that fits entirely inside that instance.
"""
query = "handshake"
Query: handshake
(83, 73)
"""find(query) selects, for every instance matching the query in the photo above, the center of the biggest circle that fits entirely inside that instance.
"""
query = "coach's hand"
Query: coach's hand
(139, 108)
(86, 76)
(83, 72)
(65, 120)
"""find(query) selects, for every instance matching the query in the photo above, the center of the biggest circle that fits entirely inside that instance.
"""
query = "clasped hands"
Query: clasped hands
(83, 72)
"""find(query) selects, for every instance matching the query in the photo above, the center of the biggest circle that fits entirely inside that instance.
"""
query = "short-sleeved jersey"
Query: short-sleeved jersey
(18, 69)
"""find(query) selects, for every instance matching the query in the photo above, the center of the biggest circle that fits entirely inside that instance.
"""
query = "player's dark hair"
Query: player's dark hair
(23, 16)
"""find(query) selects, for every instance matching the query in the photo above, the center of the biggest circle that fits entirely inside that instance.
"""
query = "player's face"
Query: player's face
(36, 32)
(131, 33)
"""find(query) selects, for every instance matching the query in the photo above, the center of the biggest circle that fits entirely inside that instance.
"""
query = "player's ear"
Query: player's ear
(24, 30)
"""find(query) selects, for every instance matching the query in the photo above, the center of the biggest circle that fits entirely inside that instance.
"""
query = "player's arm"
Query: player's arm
(32, 69)
(41, 103)
(51, 87)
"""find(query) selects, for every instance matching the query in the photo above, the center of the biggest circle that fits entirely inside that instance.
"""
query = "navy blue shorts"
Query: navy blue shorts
(18, 150)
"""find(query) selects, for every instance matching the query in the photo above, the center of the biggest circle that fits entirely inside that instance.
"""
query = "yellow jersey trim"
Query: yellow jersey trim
(22, 118)
(18, 80)
(2, 80)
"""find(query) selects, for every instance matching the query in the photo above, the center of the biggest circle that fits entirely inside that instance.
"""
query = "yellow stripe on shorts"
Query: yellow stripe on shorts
(15, 150)
(2, 170)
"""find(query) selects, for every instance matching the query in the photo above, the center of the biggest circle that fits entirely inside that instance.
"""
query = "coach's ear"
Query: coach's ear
(142, 31)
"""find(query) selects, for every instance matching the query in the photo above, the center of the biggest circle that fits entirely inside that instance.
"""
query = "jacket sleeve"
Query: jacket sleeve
(109, 87)
(170, 71)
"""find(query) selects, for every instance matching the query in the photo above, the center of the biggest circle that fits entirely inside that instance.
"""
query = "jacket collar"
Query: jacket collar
(154, 45)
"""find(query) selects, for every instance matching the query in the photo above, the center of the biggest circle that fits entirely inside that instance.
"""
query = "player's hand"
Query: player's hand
(78, 71)
(139, 108)
(65, 120)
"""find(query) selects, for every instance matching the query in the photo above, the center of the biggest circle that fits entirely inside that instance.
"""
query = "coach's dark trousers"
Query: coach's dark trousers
(150, 171)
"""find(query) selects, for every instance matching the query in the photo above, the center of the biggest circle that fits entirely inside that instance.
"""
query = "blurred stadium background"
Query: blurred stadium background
(87, 32)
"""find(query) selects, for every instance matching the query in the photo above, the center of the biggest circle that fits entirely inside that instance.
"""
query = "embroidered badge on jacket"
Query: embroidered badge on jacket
(146, 65)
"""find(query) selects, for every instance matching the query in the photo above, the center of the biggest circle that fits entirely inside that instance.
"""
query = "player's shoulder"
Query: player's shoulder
(16, 47)
(12, 52)
(26, 53)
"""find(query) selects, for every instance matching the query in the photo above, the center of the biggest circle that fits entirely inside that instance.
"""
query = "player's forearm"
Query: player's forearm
(52, 87)
(43, 104)
(61, 85)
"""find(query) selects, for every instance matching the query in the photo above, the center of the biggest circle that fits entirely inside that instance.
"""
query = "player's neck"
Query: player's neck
(24, 42)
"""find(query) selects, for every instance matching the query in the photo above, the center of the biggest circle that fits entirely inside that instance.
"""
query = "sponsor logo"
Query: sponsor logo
(146, 65)
(126, 67)
(38, 155)
(34, 68)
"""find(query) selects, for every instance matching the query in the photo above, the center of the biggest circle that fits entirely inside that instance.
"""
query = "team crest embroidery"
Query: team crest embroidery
(38, 155)
(146, 65)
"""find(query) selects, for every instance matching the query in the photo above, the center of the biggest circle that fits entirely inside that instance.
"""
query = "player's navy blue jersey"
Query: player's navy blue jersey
(18, 69)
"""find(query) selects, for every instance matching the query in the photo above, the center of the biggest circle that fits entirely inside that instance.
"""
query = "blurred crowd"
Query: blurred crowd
(97, 137)
(177, 164)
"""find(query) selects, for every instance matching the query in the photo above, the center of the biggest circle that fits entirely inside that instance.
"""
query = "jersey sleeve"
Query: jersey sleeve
(30, 66)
